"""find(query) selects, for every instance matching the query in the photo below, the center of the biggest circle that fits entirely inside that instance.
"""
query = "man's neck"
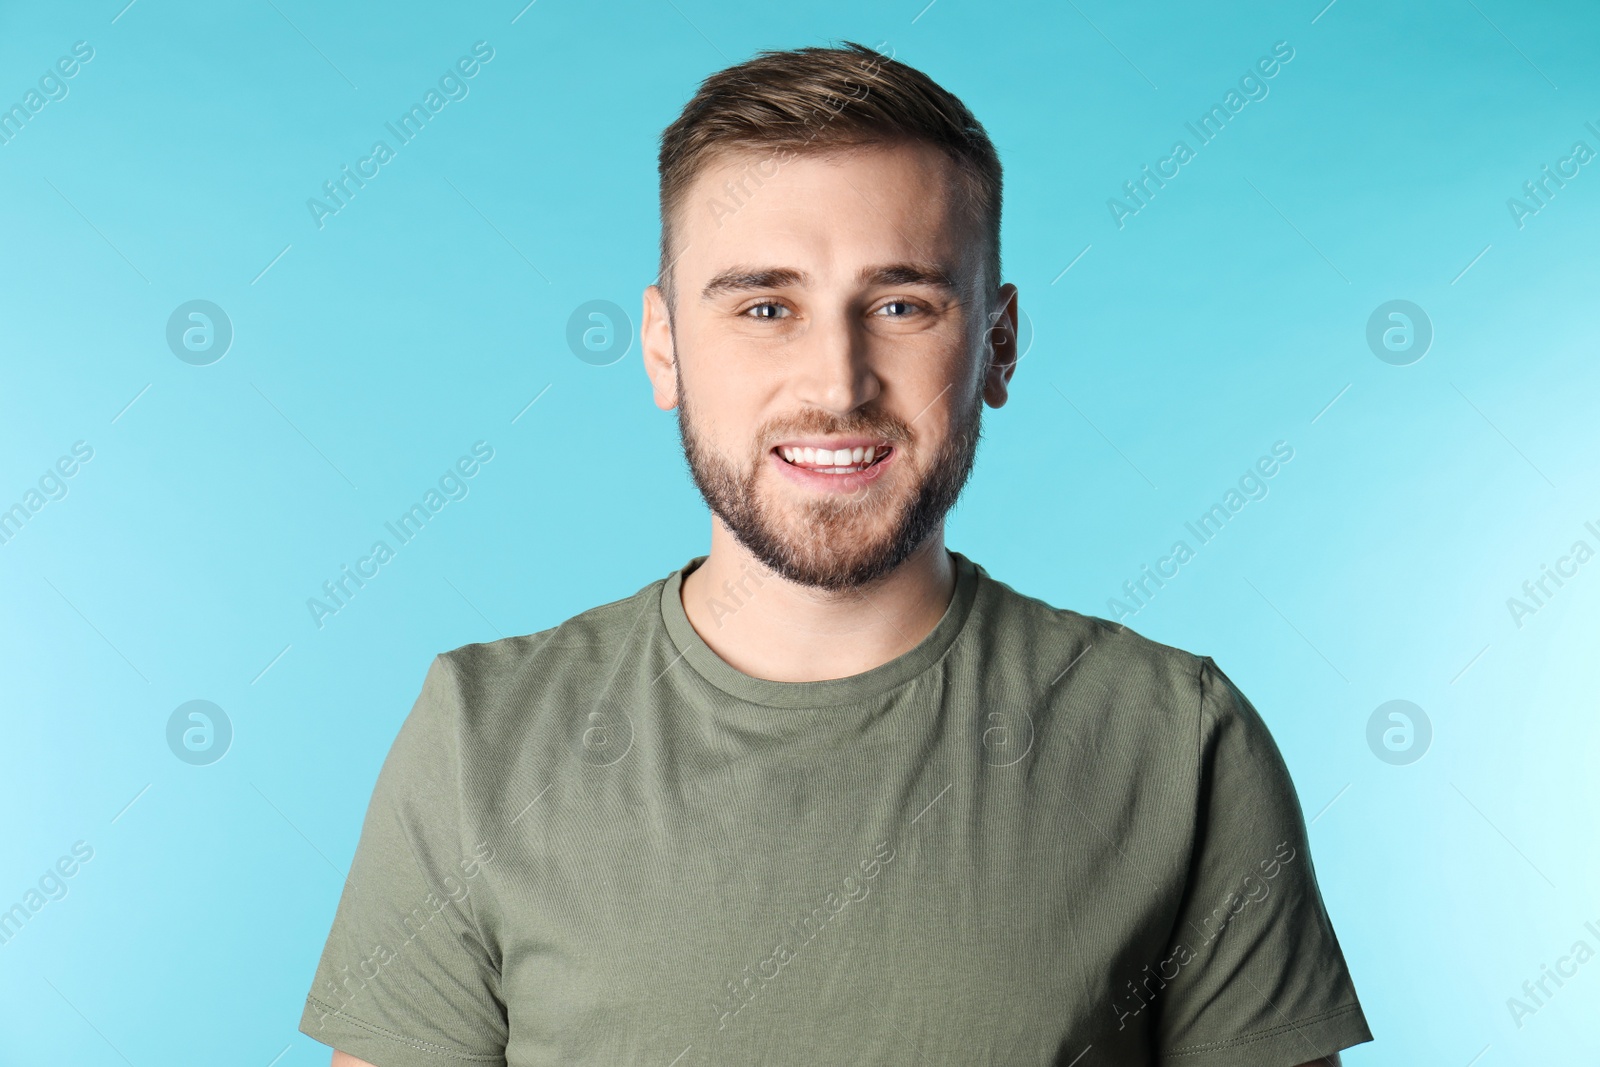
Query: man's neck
(771, 628)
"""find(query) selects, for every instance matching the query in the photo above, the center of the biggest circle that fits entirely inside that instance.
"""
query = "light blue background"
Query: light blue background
(1228, 314)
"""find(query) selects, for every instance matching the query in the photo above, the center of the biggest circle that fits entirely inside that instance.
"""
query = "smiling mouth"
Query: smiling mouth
(834, 461)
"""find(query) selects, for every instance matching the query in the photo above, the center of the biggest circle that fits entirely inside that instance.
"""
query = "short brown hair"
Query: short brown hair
(823, 98)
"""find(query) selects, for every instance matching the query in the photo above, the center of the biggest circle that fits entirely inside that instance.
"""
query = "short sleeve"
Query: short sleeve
(406, 978)
(1254, 974)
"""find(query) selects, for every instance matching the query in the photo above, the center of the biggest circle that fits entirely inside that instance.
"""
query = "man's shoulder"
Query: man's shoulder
(1025, 628)
(582, 643)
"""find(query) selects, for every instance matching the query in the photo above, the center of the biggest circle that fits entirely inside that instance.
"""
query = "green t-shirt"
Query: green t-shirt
(1035, 838)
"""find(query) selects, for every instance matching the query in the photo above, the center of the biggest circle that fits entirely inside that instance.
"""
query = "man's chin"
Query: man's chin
(823, 552)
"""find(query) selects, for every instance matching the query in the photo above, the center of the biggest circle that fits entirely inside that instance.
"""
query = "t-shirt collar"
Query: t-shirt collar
(852, 689)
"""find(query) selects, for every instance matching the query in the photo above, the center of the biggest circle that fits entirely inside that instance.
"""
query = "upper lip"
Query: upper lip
(835, 443)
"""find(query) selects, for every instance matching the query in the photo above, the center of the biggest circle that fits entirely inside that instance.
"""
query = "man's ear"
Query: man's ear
(1000, 346)
(656, 347)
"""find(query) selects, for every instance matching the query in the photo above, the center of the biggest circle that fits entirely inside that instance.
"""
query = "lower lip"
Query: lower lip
(837, 483)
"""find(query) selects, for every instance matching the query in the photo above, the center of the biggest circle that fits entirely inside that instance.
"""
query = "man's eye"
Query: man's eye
(899, 309)
(766, 310)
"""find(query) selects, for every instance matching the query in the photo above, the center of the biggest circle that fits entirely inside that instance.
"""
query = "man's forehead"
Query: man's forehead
(883, 178)
(884, 214)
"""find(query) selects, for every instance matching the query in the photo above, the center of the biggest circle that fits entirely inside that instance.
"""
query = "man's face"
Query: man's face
(833, 353)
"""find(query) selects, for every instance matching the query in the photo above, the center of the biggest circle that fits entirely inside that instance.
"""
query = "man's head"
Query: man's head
(829, 283)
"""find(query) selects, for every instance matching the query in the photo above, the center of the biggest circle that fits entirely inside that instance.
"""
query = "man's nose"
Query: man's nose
(833, 367)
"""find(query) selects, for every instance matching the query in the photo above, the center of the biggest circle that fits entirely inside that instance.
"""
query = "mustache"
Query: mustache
(820, 424)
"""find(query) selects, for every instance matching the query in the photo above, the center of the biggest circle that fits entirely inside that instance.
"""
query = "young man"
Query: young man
(830, 793)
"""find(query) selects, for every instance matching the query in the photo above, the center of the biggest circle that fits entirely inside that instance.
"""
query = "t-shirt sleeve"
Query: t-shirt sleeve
(1256, 976)
(406, 978)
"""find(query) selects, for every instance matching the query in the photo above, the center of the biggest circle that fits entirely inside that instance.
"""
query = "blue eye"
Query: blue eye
(906, 304)
(769, 311)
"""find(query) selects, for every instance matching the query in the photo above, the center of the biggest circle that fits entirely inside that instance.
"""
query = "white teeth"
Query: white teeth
(830, 460)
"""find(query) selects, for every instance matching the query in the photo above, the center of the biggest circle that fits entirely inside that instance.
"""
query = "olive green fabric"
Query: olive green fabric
(1035, 838)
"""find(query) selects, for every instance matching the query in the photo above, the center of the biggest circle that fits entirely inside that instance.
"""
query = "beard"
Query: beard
(835, 541)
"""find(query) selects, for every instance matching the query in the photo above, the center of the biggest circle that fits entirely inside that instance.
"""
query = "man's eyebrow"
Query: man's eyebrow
(743, 279)
(930, 274)
(748, 279)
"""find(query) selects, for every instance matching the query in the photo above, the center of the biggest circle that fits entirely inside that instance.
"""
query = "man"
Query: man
(831, 794)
